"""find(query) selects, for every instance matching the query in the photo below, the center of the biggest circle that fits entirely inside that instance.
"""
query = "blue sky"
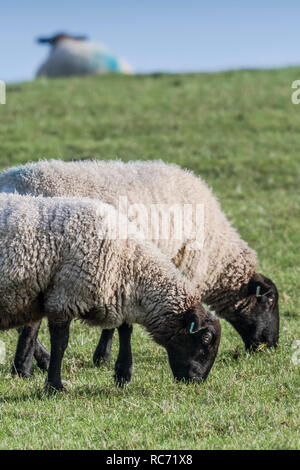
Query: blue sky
(165, 35)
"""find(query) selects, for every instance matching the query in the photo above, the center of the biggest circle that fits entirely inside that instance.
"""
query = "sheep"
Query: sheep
(224, 270)
(60, 258)
(74, 55)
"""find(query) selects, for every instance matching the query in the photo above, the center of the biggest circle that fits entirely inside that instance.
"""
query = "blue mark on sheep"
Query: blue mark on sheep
(104, 61)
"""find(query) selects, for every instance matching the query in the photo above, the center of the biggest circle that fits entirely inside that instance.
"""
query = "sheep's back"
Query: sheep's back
(150, 184)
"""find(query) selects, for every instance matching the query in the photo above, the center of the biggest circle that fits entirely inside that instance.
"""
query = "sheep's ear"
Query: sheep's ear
(257, 286)
(43, 40)
(192, 321)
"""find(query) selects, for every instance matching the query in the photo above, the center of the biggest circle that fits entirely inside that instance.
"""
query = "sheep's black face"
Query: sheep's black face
(192, 351)
(258, 320)
(53, 40)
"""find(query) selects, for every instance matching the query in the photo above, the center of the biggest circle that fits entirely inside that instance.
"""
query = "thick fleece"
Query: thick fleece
(219, 270)
(57, 258)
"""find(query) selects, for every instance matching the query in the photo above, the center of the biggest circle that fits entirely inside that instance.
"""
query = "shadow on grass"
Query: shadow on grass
(18, 397)
(230, 356)
(85, 391)
(233, 357)
(290, 314)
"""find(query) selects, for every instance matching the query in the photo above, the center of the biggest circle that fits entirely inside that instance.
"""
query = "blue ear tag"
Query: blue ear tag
(191, 328)
(258, 291)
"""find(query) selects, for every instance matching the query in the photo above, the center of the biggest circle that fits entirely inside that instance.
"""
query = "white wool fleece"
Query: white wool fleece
(58, 259)
(225, 262)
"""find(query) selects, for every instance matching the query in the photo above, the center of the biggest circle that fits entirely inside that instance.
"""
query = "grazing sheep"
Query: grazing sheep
(59, 258)
(74, 55)
(224, 270)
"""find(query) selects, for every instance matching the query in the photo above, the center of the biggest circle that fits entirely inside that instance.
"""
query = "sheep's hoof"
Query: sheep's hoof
(52, 389)
(99, 359)
(24, 373)
(122, 376)
(122, 381)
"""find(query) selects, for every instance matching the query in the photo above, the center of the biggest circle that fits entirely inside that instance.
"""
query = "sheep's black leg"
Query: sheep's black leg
(41, 356)
(22, 364)
(124, 363)
(59, 336)
(103, 349)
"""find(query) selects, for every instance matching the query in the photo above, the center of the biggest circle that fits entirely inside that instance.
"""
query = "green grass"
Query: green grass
(240, 131)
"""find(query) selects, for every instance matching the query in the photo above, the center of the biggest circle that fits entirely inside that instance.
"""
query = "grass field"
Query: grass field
(240, 131)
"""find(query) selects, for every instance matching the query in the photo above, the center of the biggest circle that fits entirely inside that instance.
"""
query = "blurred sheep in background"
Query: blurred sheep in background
(75, 55)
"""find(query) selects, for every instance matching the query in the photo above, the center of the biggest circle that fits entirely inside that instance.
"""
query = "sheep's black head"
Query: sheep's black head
(53, 40)
(258, 319)
(193, 348)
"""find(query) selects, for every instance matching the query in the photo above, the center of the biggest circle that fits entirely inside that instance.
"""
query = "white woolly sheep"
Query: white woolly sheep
(59, 258)
(224, 270)
(74, 55)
